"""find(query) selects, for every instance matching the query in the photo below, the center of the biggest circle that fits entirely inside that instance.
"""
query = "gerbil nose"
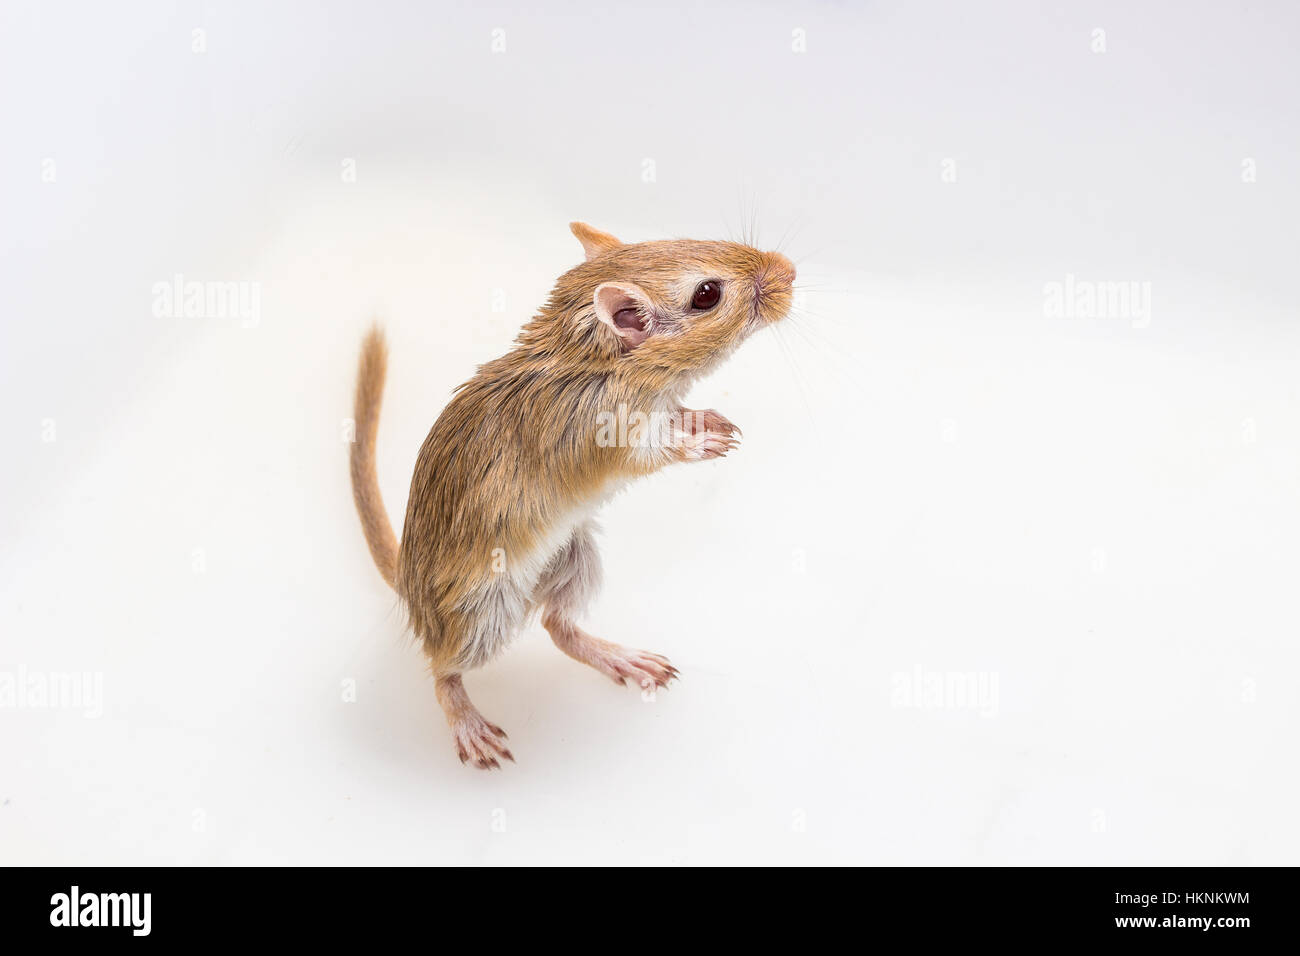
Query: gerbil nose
(779, 269)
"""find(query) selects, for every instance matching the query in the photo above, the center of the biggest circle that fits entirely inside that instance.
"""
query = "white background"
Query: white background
(1098, 514)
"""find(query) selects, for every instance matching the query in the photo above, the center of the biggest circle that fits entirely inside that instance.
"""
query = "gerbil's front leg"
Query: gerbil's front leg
(571, 579)
(704, 434)
(708, 420)
(477, 740)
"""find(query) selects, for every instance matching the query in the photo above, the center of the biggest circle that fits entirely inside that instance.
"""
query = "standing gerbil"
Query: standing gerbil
(499, 521)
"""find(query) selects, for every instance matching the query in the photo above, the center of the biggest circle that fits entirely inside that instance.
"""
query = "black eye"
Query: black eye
(706, 295)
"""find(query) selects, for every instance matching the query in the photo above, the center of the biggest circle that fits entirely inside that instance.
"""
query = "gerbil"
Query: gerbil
(499, 520)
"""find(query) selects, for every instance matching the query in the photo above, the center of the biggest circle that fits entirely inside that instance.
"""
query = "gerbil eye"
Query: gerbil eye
(707, 294)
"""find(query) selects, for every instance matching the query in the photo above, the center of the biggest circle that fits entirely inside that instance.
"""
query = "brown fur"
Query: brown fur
(515, 450)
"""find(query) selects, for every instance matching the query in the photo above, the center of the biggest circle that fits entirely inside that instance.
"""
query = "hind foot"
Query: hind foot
(645, 669)
(478, 741)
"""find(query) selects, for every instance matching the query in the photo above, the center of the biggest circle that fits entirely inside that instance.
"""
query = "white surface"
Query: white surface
(1098, 514)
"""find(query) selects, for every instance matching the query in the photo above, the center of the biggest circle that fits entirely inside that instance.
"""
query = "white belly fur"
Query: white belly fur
(500, 610)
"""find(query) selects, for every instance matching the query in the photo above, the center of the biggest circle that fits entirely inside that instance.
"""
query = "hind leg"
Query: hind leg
(570, 581)
(477, 740)
(462, 642)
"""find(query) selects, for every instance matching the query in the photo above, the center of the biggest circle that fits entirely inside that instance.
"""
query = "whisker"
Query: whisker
(794, 371)
(808, 255)
(827, 352)
(791, 232)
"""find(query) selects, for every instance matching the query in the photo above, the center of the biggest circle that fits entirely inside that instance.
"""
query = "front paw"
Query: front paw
(708, 420)
(702, 446)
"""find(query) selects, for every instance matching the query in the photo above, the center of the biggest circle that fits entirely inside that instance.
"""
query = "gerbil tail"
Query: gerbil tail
(365, 481)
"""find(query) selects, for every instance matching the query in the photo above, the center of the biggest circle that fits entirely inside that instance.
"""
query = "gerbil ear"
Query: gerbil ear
(594, 242)
(625, 309)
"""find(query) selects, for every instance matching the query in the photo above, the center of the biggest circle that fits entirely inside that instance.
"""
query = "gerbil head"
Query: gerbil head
(671, 309)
